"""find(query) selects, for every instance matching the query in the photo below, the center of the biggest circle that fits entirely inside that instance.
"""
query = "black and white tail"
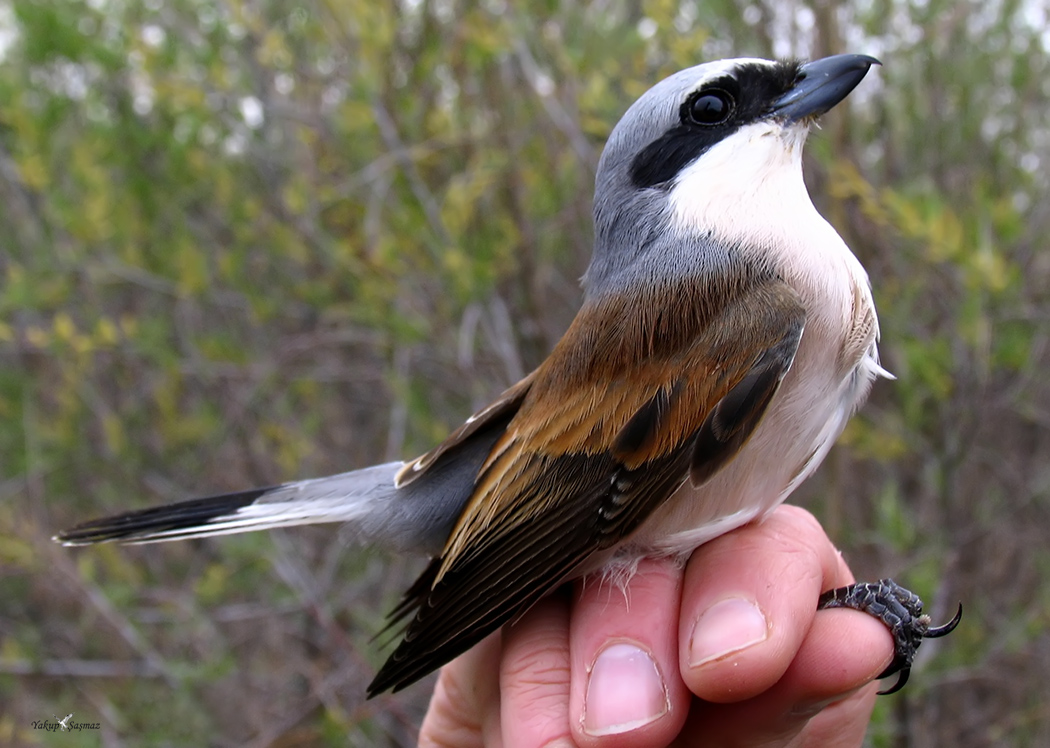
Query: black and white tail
(363, 498)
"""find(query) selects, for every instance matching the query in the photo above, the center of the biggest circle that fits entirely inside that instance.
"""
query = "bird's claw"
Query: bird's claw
(901, 611)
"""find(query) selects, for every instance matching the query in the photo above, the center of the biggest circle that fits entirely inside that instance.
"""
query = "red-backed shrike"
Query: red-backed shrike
(726, 335)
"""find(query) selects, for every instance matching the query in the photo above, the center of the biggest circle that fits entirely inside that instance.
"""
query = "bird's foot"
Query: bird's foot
(901, 611)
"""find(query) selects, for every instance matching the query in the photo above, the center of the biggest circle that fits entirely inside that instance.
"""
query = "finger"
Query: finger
(843, 651)
(464, 710)
(750, 599)
(534, 677)
(832, 671)
(843, 723)
(626, 689)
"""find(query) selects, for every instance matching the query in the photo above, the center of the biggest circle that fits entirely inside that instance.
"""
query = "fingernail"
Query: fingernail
(726, 627)
(624, 691)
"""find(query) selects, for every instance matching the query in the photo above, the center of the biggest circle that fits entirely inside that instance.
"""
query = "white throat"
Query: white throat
(749, 189)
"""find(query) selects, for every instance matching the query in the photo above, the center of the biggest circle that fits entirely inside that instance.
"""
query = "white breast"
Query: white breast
(748, 191)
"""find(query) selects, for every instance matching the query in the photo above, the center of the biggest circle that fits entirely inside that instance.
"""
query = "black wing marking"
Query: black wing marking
(736, 416)
(506, 570)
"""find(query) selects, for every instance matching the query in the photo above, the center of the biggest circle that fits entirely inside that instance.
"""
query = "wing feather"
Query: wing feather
(622, 412)
(504, 404)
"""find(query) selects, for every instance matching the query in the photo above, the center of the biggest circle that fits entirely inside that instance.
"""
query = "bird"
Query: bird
(725, 336)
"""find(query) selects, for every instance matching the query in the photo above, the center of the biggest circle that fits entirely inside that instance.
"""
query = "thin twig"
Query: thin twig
(82, 668)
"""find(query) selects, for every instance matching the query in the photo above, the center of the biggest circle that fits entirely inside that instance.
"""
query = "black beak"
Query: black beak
(821, 85)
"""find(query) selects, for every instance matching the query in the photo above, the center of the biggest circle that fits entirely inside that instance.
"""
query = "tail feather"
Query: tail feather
(185, 519)
(362, 495)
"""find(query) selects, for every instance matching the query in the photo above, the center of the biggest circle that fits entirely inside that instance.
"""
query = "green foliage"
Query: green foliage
(250, 241)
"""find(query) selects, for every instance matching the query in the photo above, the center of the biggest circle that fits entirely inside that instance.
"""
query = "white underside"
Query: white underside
(758, 201)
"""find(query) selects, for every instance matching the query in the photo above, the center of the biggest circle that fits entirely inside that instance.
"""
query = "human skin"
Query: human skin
(728, 651)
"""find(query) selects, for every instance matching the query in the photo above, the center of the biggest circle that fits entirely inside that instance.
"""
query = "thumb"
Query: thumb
(464, 710)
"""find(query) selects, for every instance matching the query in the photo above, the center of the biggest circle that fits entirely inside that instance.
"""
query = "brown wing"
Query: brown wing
(505, 404)
(625, 409)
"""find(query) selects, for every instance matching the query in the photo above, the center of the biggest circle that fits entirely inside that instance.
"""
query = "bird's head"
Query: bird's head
(713, 151)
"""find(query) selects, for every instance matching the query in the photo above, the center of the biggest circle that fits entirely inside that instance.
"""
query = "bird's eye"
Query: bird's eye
(711, 107)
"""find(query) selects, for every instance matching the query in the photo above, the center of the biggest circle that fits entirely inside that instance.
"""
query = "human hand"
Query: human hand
(608, 669)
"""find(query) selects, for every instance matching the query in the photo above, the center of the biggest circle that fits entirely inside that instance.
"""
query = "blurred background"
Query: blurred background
(246, 241)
